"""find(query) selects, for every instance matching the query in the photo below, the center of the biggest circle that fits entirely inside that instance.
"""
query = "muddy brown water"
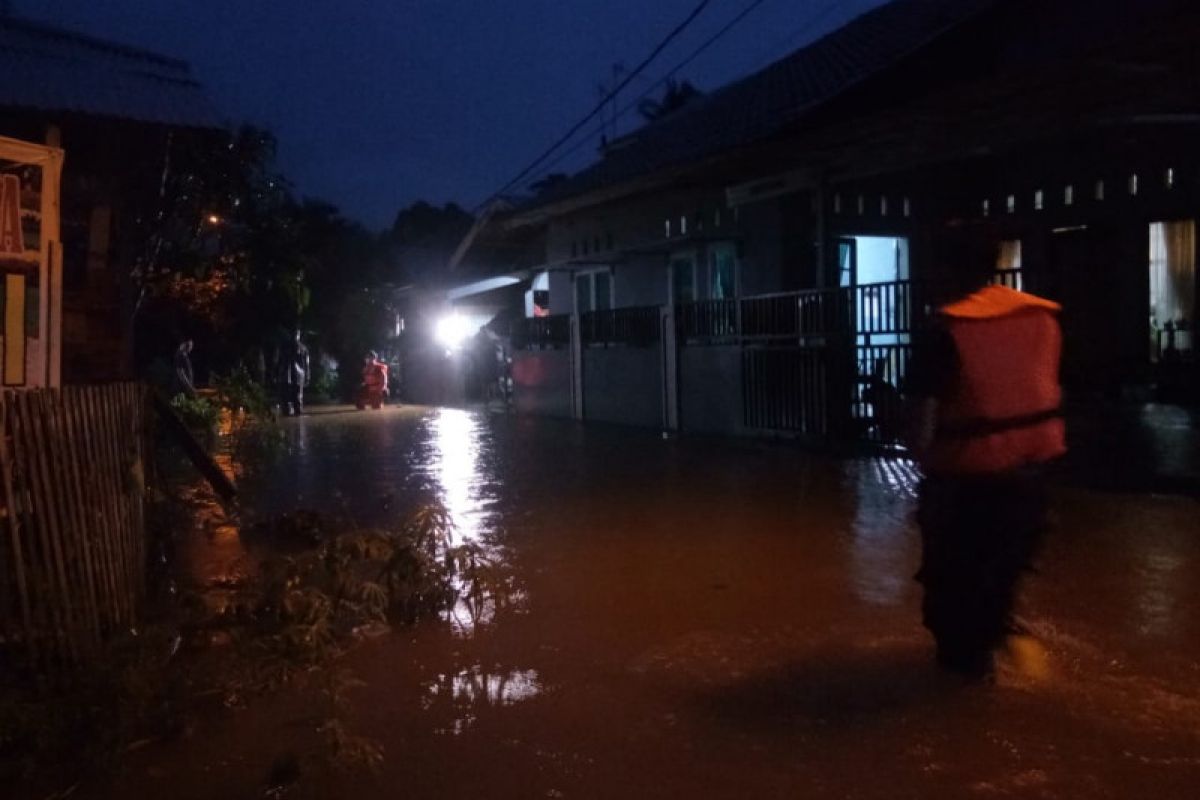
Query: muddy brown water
(694, 618)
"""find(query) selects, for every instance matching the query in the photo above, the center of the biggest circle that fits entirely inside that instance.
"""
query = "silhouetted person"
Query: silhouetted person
(295, 371)
(987, 417)
(184, 378)
(374, 382)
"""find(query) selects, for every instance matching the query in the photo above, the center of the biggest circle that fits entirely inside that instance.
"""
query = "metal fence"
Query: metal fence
(819, 363)
(786, 389)
(72, 553)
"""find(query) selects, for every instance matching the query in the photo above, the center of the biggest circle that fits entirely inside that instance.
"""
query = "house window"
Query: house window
(602, 290)
(987, 208)
(1100, 190)
(1039, 200)
(1012, 203)
(862, 205)
(1068, 195)
(907, 207)
(593, 291)
(683, 278)
(1008, 265)
(1169, 178)
(683, 226)
(883, 206)
(1133, 184)
(722, 271)
(667, 228)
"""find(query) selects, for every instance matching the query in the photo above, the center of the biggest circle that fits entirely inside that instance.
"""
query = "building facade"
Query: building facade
(759, 262)
(116, 112)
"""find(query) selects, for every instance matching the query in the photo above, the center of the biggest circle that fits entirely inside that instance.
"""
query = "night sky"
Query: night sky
(377, 103)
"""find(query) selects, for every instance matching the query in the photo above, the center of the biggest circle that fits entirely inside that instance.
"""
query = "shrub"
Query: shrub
(197, 413)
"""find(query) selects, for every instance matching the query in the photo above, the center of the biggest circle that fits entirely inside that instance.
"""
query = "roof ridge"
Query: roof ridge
(792, 90)
(74, 37)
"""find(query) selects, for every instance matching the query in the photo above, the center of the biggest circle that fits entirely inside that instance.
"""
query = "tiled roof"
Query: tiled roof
(52, 69)
(768, 101)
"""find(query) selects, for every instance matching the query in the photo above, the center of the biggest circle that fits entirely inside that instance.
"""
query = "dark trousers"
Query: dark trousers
(978, 535)
(293, 399)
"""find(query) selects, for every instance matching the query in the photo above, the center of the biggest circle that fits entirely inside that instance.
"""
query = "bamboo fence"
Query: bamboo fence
(72, 541)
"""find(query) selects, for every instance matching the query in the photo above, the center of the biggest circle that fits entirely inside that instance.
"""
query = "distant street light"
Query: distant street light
(451, 331)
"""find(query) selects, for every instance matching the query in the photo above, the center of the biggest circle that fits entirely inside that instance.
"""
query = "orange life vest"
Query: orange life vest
(375, 375)
(1004, 410)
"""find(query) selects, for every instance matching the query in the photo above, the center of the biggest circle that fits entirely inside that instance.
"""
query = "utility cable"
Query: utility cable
(671, 73)
(604, 102)
(817, 19)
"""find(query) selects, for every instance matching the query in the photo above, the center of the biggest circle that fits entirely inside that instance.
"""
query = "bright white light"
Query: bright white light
(451, 331)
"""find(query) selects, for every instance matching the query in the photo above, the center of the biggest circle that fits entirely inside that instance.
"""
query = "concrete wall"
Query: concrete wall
(710, 389)
(640, 281)
(542, 382)
(623, 385)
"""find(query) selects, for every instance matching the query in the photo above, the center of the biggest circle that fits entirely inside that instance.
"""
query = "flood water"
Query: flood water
(694, 618)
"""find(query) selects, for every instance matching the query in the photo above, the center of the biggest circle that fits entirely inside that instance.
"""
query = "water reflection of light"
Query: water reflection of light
(474, 689)
(1161, 574)
(457, 444)
(883, 489)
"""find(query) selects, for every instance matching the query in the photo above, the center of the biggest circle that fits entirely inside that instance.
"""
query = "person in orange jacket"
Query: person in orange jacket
(988, 419)
(374, 382)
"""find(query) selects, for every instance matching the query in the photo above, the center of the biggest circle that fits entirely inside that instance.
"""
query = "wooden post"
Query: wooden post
(199, 457)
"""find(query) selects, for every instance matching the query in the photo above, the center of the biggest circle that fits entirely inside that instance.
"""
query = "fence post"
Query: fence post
(670, 368)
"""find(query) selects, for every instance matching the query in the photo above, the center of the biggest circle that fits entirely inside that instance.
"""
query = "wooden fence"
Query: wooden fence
(72, 546)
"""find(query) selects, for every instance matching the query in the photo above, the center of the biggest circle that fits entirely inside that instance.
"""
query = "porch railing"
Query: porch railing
(542, 333)
(869, 309)
(710, 320)
(635, 327)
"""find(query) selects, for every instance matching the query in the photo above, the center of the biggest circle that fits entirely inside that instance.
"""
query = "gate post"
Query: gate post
(670, 367)
(576, 369)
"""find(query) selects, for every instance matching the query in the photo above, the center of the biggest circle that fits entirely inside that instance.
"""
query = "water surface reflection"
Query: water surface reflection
(456, 464)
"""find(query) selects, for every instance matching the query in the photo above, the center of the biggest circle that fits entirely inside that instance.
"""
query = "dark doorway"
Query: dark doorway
(1084, 262)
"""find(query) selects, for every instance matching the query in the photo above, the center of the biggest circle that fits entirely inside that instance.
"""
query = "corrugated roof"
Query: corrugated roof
(52, 69)
(768, 101)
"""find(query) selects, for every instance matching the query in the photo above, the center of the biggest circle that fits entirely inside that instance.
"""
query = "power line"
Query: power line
(817, 19)
(707, 43)
(600, 106)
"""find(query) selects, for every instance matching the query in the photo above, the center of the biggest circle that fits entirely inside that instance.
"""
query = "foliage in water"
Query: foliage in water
(340, 584)
(197, 413)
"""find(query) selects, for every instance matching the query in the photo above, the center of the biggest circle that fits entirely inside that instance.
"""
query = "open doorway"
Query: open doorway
(872, 266)
(1172, 261)
(875, 270)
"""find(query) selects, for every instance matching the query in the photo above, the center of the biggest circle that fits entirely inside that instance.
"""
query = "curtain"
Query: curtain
(1172, 272)
(1009, 255)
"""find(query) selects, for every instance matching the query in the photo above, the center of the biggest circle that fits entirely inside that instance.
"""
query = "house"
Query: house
(116, 112)
(757, 262)
(30, 258)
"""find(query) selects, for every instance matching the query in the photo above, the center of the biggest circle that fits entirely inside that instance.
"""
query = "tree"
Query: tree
(228, 255)
(675, 96)
(424, 238)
